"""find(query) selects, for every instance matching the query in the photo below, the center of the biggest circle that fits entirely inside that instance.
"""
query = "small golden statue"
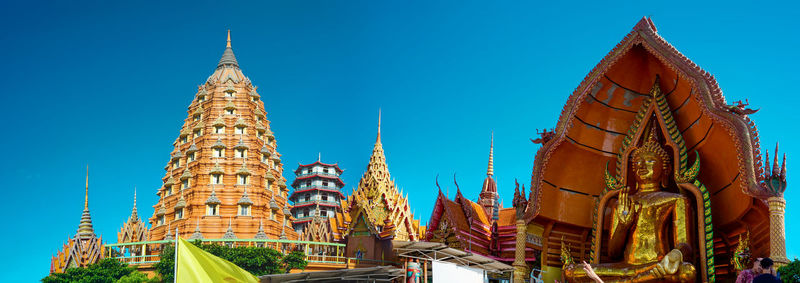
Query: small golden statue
(741, 255)
(650, 228)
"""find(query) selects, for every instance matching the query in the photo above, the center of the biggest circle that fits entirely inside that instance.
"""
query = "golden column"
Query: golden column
(775, 185)
(520, 267)
(777, 233)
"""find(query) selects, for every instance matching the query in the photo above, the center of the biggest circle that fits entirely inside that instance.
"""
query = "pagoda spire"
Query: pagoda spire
(85, 229)
(490, 169)
(228, 59)
(134, 212)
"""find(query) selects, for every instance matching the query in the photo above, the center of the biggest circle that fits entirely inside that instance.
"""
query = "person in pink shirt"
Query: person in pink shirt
(747, 275)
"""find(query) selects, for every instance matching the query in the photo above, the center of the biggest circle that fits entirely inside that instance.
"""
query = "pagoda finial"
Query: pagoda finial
(86, 196)
(490, 169)
(229, 39)
(319, 157)
(134, 213)
(379, 124)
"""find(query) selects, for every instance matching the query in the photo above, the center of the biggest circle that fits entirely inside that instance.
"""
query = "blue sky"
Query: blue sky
(108, 84)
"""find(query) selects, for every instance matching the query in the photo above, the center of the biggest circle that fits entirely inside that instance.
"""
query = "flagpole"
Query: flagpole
(175, 271)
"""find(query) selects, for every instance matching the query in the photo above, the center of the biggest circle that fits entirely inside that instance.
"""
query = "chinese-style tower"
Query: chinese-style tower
(317, 192)
(224, 177)
(85, 247)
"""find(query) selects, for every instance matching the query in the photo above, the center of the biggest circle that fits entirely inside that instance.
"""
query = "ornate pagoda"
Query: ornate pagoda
(224, 176)
(85, 247)
(372, 216)
(134, 229)
(646, 143)
(317, 192)
(484, 227)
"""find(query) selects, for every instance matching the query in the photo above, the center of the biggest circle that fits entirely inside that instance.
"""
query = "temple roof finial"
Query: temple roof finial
(379, 125)
(86, 196)
(490, 169)
(229, 39)
(134, 213)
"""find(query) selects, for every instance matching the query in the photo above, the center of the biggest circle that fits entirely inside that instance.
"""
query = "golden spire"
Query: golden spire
(86, 200)
(229, 39)
(379, 126)
(490, 169)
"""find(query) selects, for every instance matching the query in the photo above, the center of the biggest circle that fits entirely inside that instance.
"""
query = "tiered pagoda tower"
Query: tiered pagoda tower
(224, 177)
(85, 247)
(317, 192)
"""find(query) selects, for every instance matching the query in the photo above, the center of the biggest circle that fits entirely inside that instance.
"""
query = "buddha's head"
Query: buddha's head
(650, 161)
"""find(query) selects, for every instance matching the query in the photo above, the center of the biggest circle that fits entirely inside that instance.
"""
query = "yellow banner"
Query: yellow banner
(196, 265)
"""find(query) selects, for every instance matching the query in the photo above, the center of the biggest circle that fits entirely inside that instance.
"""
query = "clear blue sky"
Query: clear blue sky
(108, 84)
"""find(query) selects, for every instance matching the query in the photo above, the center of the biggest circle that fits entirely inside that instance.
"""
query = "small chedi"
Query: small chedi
(651, 176)
(85, 247)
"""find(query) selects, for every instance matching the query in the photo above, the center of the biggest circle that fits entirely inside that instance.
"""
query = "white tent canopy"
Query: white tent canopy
(441, 252)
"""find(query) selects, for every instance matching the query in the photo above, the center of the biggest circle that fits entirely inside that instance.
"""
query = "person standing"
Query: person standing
(767, 272)
(747, 275)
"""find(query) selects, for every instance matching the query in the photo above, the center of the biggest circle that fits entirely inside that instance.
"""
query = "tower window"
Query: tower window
(219, 129)
(229, 94)
(324, 197)
(198, 133)
(184, 139)
(177, 163)
(271, 215)
(244, 210)
(179, 213)
(218, 152)
(242, 180)
(185, 184)
(264, 158)
(260, 135)
(216, 179)
(196, 117)
(190, 157)
(325, 183)
(239, 131)
(241, 153)
(308, 184)
(161, 220)
(212, 209)
(230, 111)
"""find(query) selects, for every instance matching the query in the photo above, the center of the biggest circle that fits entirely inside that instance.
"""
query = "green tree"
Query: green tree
(256, 260)
(790, 272)
(106, 270)
(294, 260)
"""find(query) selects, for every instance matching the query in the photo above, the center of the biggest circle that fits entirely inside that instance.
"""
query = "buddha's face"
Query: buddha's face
(648, 168)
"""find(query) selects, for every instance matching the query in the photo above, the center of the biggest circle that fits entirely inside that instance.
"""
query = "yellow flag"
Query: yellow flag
(196, 265)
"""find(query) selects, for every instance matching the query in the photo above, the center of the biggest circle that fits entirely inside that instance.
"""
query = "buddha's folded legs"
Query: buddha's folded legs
(622, 272)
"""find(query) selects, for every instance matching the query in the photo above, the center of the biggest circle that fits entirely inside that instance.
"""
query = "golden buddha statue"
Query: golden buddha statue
(650, 228)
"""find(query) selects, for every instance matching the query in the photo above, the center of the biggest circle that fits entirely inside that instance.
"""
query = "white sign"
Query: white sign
(448, 272)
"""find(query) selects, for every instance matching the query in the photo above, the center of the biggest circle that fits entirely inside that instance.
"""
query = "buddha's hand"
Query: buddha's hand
(672, 261)
(624, 207)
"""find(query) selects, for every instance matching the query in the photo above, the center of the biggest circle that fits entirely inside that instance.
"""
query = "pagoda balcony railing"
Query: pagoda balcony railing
(318, 173)
(303, 188)
(330, 202)
(330, 188)
(148, 252)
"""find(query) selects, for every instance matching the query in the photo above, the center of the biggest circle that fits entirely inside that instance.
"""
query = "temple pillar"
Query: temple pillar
(777, 233)
(520, 268)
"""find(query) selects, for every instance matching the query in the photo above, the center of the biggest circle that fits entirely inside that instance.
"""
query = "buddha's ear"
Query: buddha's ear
(666, 175)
